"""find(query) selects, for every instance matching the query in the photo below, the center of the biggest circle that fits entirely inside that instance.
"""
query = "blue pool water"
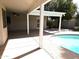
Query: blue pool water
(68, 36)
(71, 42)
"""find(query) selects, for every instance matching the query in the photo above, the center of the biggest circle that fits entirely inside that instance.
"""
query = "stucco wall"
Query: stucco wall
(3, 31)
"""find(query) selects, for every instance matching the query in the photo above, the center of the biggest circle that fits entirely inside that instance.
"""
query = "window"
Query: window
(8, 20)
(4, 18)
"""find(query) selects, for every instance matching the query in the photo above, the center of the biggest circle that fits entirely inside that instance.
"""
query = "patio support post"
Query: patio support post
(28, 24)
(60, 23)
(41, 26)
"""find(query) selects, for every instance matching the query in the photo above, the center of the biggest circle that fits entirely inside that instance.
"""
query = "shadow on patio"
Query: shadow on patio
(33, 33)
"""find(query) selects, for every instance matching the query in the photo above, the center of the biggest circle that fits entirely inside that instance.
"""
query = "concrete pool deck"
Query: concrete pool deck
(57, 51)
(32, 43)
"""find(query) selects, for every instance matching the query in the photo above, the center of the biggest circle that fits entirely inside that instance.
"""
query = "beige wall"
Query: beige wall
(3, 31)
(1, 34)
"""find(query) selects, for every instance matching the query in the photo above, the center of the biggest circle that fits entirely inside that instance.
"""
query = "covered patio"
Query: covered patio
(41, 13)
(38, 43)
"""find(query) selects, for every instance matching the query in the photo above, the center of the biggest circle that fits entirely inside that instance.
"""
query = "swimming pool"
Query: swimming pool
(70, 42)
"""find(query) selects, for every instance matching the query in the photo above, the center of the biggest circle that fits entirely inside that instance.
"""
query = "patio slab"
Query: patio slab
(16, 47)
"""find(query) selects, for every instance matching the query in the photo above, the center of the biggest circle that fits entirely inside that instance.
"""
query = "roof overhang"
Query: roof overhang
(37, 6)
(22, 5)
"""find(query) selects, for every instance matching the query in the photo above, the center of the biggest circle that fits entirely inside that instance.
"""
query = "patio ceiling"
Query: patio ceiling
(21, 5)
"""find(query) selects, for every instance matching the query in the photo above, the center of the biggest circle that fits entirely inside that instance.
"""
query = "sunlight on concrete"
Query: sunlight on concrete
(16, 47)
(48, 31)
(40, 54)
(53, 47)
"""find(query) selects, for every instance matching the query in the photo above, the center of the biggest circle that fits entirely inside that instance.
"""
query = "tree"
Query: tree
(66, 6)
